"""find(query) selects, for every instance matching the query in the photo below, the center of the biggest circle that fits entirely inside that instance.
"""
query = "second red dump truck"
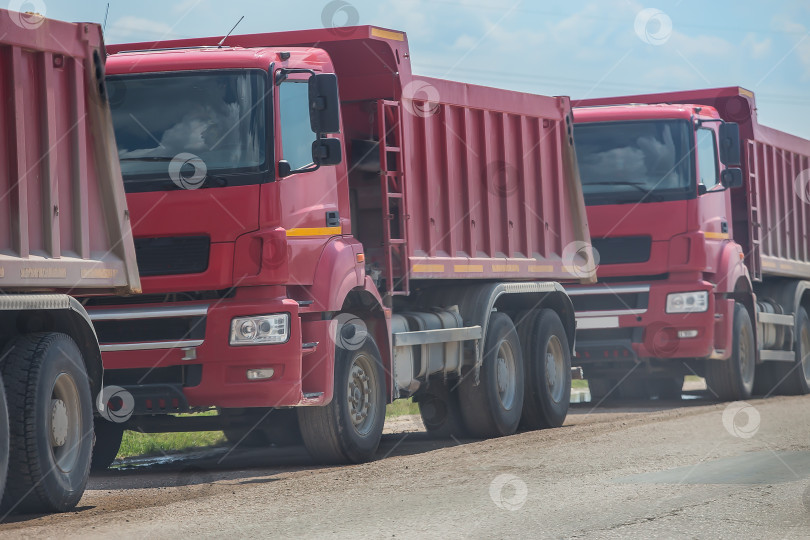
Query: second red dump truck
(700, 217)
(298, 290)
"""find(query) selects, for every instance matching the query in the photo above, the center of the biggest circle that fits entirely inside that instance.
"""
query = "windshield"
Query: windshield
(209, 127)
(623, 162)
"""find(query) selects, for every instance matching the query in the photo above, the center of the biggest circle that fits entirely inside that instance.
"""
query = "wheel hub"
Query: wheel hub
(503, 375)
(359, 395)
(59, 423)
(551, 369)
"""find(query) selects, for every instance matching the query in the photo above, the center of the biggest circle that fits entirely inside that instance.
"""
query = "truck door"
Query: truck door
(714, 205)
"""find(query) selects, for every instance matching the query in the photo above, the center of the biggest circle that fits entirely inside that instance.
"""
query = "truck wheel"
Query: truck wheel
(51, 423)
(440, 410)
(733, 379)
(547, 360)
(3, 438)
(348, 430)
(492, 408)
(795, 376)
(108, 443)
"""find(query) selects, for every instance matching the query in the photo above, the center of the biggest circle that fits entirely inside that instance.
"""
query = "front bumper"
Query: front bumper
(198, 360)
(628, 322)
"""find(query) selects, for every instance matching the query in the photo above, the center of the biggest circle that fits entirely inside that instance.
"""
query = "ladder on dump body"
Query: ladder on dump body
(394, 211)
(754, 227)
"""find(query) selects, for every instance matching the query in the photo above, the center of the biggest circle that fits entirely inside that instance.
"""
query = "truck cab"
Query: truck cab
(658, 193)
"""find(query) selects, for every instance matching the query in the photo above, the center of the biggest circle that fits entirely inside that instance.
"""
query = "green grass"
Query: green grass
(693, 378)
(401, 407)
(579, 383)
(156, 444)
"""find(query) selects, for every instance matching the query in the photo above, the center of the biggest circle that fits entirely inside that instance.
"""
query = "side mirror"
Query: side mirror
(730, 151)
(732, 178)
(326, 152)
(324, 104)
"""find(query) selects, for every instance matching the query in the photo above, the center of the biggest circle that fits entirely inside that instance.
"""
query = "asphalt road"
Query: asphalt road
(692, 468)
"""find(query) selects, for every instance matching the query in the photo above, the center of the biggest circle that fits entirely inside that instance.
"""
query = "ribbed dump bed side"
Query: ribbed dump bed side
(491, 186)
(61, 193)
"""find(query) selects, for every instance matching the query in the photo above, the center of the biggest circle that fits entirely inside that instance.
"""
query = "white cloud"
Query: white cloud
(138, 28)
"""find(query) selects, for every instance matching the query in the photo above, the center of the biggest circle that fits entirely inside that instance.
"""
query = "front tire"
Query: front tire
(733, 379)
(348, 430)
(440, 410)
(493, 407)
(51, 423)
(3, 438)
(547, 359)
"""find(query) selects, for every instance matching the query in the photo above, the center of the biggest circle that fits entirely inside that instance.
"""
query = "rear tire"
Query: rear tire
(547, 360)
(3, 438)
(733, 379)
(348, 430)
(795, 377)
(440, 410)
(108, 443)
(51, 423)
(493, 407)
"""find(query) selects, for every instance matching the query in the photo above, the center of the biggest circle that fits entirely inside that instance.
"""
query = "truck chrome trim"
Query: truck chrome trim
(593, 323)
(607, 289)
(612, 312)
(123, 314)
(150, 345)
(442, 335)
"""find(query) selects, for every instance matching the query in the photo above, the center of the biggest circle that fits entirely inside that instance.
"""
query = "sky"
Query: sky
(578, 48)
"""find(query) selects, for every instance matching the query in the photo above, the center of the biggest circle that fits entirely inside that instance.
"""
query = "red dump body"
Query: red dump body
(771, 217)
(66, 226)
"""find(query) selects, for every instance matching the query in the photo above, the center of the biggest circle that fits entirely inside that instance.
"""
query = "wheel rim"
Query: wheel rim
(555, 369)
(747, 361)
(65, 423)
(362, 398)
(805, 352)
(506, 375)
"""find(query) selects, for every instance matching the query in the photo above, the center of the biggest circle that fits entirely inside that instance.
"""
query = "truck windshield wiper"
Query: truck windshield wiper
(637, 185)
(147, 158)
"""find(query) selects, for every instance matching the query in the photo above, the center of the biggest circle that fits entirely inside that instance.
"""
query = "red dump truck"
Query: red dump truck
(296, 289)
(700, 220)
(65, 231)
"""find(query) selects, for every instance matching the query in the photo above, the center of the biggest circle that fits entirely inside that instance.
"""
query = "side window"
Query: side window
(296, 135)
(707, 157)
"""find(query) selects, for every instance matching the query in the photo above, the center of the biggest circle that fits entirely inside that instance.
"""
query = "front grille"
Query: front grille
(610, 301)
(144, 330)
(623, 250)
(172, 256)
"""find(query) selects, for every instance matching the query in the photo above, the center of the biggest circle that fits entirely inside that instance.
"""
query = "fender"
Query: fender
(730, 268)
(336, 274)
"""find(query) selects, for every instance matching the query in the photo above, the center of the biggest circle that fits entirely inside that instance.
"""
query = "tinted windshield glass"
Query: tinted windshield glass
(214, 121)
(646, 161)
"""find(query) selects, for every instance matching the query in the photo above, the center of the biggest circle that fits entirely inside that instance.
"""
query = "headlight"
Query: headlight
(260, 329)
(688, 302)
